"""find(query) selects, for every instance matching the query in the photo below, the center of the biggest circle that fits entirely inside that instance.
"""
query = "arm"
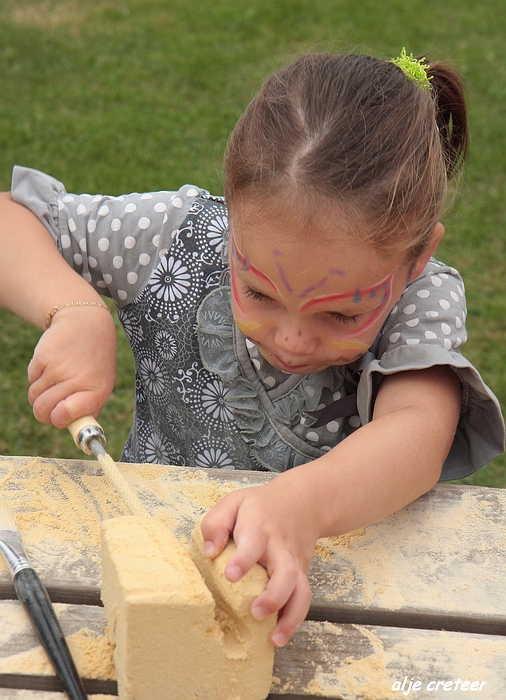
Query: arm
(377, 470)
(73, 367)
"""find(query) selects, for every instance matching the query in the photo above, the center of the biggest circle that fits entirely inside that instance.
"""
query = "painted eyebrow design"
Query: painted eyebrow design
(357, 296)
(245, 265)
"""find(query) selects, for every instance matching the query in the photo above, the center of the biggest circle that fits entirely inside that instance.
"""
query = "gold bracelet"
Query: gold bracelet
(50, 314)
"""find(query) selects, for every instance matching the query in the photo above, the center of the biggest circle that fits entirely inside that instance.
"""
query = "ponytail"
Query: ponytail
(447, 91)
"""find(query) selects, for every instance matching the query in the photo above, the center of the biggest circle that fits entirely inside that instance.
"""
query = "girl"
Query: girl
(303, 327)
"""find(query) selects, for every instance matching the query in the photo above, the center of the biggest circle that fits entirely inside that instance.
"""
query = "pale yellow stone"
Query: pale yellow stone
(180, 633)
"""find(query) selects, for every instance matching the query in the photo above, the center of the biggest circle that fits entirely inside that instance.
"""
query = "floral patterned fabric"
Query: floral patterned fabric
(204, 396)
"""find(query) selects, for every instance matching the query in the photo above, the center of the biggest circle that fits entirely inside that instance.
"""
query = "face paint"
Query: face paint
(384, 286)
(247, 327)
(245, 265)
(282, 273)
(357, 345)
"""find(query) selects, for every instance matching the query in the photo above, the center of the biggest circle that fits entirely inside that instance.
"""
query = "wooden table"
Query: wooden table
(414, 606)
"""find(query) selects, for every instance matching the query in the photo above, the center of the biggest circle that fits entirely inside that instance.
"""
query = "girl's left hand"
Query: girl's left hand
(269, 527)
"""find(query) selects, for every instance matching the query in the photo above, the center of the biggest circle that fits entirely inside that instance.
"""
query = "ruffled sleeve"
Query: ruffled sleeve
(427, 328)
(115, 243)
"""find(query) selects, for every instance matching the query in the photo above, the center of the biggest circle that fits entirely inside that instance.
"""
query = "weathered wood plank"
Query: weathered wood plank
(322, 660)
(438, 563)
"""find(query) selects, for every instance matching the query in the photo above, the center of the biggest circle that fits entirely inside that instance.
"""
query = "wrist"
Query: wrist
(72, 304)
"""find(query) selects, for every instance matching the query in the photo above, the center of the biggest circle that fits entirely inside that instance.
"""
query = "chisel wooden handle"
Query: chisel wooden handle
(84, 431)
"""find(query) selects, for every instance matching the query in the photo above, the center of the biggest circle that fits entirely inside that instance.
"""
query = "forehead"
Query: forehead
(307, 255)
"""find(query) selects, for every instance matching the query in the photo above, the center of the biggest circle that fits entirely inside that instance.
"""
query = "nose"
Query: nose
(294, 337)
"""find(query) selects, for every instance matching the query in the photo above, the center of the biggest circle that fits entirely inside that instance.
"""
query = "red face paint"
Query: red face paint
(383, 287)
(246, 265)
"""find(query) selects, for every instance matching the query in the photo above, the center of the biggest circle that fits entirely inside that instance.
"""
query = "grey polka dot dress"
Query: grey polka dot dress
(205, 397)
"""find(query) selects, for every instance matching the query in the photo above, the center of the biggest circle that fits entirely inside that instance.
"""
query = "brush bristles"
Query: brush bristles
(7, 517)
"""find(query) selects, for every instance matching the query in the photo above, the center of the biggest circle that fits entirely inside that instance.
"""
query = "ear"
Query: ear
(421, 262)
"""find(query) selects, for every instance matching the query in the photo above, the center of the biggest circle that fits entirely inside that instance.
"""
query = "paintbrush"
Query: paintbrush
(31, 592)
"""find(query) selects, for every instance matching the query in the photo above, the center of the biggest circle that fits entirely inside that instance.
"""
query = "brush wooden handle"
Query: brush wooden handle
(109, 466)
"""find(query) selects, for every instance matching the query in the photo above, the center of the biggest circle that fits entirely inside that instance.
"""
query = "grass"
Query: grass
(131, 95)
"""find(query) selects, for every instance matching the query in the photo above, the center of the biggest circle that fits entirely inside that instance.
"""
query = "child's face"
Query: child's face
(308, 299)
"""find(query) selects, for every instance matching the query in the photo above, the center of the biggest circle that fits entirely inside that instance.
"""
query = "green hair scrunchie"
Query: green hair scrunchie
(414, 69)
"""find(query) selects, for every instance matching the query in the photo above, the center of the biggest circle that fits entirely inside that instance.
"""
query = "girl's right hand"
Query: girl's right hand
(73, 368)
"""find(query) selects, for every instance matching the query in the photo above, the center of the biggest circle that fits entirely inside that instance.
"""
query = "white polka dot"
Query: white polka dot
(122, 294)
(81, 209)
(460, 290)
(162, 253)
(129, 242)
(309, 390)
(423, 293)
(312, 436)
(325, 448)
(130, 208)
(303, 420)
(458, 322)
(96, 198)
(444, 304)
(115, 225)
(336, 395)
(103, 244)
(67, 198)
(192, 193)
(87, 277)
(121, 198)
(177, 202)
(256, 363)
(160, 207)
(107, 278)
(394, 310)
(436, 281)
(443, 275)
(72, 225)
(249, 344)
(355, 421)
(412, 322)
(65, 241)
(432, 314)
(394, 337)
(156, 240)
(82, 245)
(269, 381)
(165, 219)
(144, 223)
(447, 344)
(458, 342)
(333, 426)
(117, 261)
(445, 328)
(61, 205)
(430, 335)
(92, 262)
(144, 259)
(454, 296)
(78, 259)
(146, 195)
(409, 309)
(412, 341)
(132, 277)
(104, 210)
(92, 225)
(101, 284)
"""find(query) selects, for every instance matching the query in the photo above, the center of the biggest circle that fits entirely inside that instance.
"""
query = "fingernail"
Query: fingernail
(208, 549)
(279, 639)
(234, 573)
(259, 612)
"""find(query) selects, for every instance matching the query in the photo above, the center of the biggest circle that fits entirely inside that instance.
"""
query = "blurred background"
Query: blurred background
(116, 96)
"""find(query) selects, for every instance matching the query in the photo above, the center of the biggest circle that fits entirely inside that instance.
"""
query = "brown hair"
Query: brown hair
(354, 129)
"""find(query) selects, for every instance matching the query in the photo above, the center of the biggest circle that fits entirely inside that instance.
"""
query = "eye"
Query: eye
(346, 320)
(257, 296)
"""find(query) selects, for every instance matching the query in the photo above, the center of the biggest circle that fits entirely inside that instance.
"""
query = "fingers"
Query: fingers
(293, 614)
(218, 524)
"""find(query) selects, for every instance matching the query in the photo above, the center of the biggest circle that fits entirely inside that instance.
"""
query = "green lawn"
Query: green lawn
(122, 95)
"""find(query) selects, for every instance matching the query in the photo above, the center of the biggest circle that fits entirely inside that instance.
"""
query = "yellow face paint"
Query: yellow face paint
(247, 326)
(350, 345)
